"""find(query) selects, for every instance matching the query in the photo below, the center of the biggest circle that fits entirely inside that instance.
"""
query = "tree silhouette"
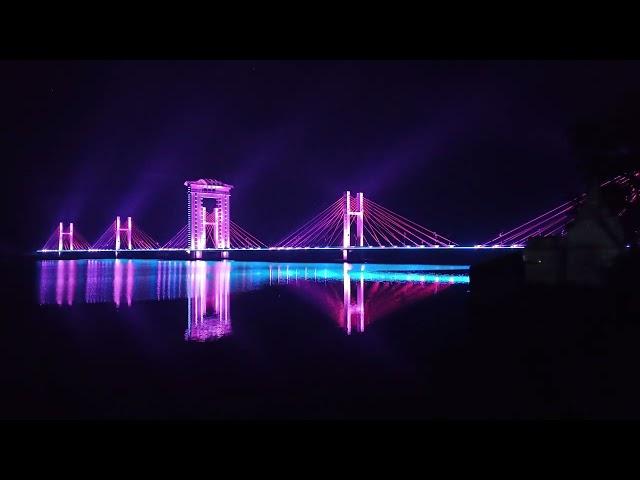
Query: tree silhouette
(607, 147)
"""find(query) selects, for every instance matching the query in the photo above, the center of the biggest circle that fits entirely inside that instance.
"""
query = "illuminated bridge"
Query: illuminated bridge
(351, 223)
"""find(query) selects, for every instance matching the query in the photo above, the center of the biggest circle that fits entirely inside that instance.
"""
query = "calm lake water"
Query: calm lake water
(350, 296)
(146, 339)
(227, 339)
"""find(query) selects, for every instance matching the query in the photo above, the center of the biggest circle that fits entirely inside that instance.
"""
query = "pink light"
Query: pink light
(71, 282)
(198, 191)
(360, 219)
(117, 281)
(346, 285)
(377, 301)
(129, 232)
(346, 225)
(202, 242)
(129, 281)
(209, 307)
(60, 281)
(393, 229)
(117, 233)
(69, 233)
(346, 233)
(217, 214)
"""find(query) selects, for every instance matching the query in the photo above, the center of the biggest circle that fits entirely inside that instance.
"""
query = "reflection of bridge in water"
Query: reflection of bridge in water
(208, 307)
(354, 295)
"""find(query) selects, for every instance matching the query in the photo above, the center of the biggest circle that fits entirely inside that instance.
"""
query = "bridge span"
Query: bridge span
(353, 225)
(460, 255)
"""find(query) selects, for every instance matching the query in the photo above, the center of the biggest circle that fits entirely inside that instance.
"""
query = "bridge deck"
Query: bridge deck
(269, 249)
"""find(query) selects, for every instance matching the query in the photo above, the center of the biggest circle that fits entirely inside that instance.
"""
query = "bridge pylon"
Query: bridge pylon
(61, 234)
(198, 191)
(119, 229)
(352, 209)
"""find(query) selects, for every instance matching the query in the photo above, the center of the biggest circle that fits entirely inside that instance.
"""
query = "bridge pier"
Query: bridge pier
(199, 254)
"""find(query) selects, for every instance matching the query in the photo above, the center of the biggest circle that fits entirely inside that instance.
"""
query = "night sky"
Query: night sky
(465, 148)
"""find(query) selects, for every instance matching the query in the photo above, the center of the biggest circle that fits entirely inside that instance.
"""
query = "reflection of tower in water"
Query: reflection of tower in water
(362, 296)
(119, 277)
(353, 311)
(208, 316)
(65, 281)
(378, 299)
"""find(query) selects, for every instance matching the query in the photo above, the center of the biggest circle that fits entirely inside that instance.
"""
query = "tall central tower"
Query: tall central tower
(357, 211)
(198, 190)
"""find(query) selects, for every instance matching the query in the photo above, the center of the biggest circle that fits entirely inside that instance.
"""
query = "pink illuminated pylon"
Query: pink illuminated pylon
(213, 220)
(126, 229)
(359, 214)
(202, 241)
(129, 231)
(199, 190)
(217, 220)
(61, 232)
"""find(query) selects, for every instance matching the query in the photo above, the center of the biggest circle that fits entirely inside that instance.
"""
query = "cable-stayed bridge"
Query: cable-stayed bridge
(352, 222)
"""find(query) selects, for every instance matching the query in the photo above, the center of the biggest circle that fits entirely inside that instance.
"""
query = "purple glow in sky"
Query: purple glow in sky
(467, 148)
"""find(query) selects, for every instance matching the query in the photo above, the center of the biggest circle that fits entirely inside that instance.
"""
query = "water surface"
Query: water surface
(351, 295)
(146, 339)
(227, 339)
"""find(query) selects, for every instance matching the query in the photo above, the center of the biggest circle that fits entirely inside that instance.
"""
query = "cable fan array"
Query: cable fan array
(140, 240)
(381, 228)
(555, 221)
(238, 237)
(549, 223)
(321, 231)
(387, 228)
(78, 241)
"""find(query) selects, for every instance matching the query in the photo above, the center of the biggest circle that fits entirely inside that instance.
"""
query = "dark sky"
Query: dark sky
(464, 148)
